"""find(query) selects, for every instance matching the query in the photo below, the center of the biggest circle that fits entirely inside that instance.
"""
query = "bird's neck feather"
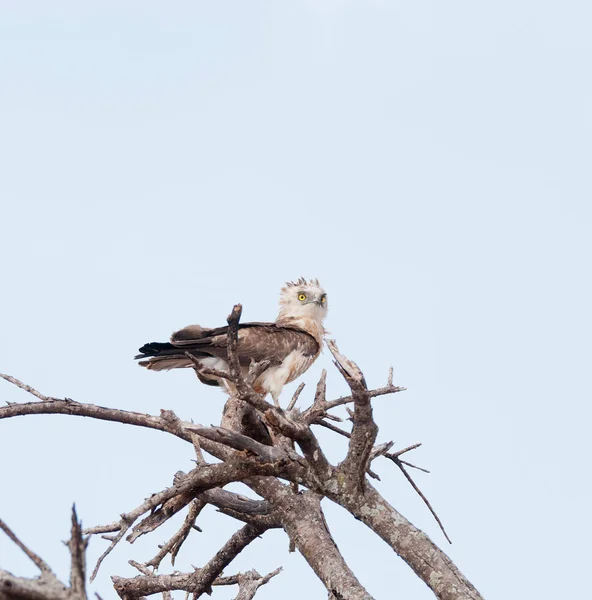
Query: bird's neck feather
(308, 324)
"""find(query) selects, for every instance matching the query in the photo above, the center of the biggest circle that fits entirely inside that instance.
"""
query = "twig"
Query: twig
(39, 562)
(389, 388)
(422, 496)
(142, 568)
(163, 513)
(404, 450)
(404, 462)
(27, 388)
(173, 546)
(200, 460)
(383, 391)
(295, 397)
(207, 370)
(346, 434)
(394, 456)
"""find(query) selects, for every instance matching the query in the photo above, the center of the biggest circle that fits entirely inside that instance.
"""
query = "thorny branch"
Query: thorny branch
(256, 445)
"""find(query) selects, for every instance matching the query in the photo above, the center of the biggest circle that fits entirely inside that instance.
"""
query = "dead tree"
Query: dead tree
(277, 455)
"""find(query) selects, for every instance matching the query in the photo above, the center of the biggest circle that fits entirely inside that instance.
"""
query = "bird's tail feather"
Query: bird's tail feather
(166, 363)
(156, 349)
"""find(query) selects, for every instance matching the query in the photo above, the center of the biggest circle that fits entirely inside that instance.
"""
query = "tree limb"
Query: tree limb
(429, 563)
(364, 430)
(305, 524)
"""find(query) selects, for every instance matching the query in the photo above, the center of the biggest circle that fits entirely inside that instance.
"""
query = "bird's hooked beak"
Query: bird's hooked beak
(318, 301)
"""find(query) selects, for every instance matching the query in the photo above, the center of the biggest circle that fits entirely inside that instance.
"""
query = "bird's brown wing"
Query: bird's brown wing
(190, 334)
(256, 341)
(259, 342)
(273, 343)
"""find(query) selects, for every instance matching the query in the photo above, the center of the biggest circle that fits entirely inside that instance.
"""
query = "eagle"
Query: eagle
(291, 343)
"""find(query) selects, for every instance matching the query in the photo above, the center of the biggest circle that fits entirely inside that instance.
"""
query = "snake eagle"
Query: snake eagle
(292, 342)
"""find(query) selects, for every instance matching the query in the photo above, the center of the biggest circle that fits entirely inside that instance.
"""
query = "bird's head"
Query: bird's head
(303, 299)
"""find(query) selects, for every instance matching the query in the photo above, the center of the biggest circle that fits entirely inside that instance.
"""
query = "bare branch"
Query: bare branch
(364, 429)
(202, 477)
(422, 496)
(404, 462)
(39, 562)
(198, 582)
(394, 456)
(173, 546)
(245, 391)
(295, 397)
(322, 423)
(404, 450)
(160, 515)
(318, 409)
(257, 512)
(197, 366)
(430, 564)
(77, 546)
(223, 499)
(300, 432)
(27, 388)
(321, 391)
(305, 524)
(383, 391)
(240, 442)
(251, 581)
(166, 422)
(256, 369)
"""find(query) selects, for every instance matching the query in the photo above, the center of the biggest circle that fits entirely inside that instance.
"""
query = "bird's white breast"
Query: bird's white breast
(274, 379)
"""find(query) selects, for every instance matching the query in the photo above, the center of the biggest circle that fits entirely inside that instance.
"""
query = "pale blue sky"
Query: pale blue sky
(428, 162)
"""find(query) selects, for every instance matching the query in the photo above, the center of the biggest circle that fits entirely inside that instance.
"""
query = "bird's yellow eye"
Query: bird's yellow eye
(323, 299)
(302, 297)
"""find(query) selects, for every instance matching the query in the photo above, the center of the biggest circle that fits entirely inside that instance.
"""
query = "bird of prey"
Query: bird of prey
(291, 343)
